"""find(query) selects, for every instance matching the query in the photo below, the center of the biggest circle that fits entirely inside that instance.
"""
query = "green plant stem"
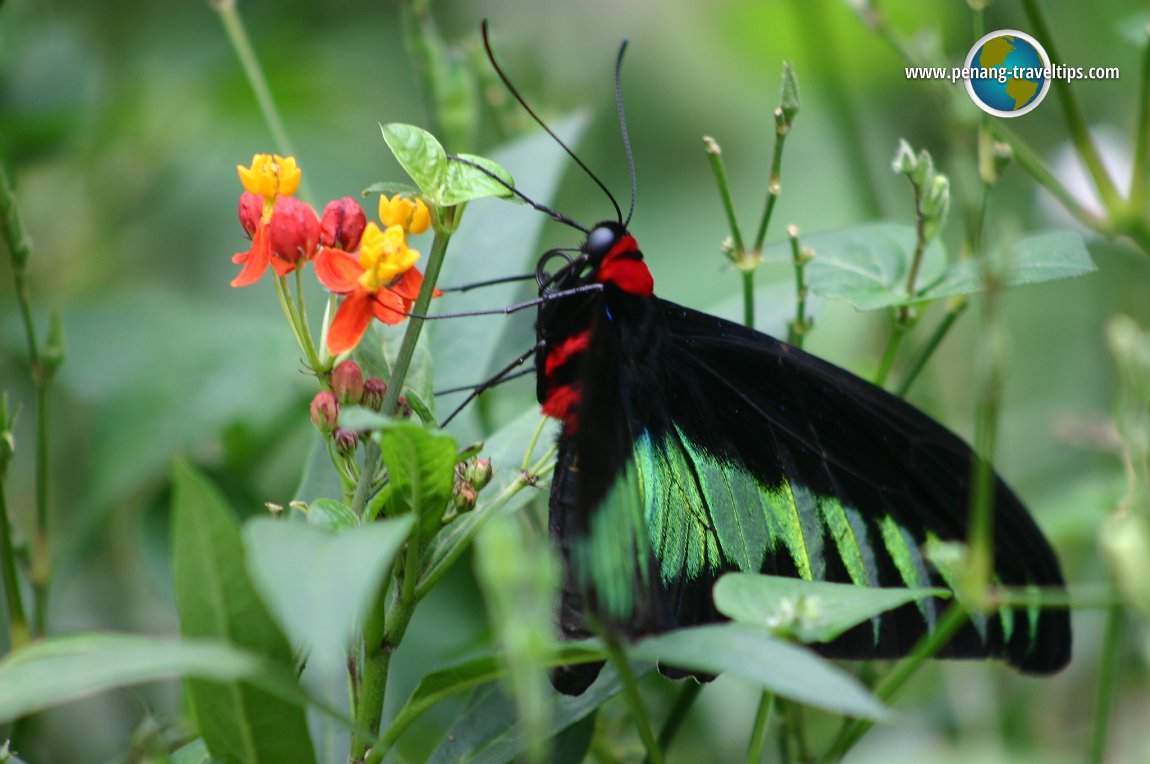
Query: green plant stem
(898, 331)
(634, 701)
(980, 564)
(758, 739)
(242, 44)
(298, 329)
(715, 155)
(304, 327)
(951, 621)
(1074, 115)
(43, 371)
(948, 321)
(1107, 682)
(379, 644)
(674, 721)
(774, 188)
(749, 299)
(1141, 135)
(797, 329)
(19, 633)
(1033, 165)
(526, 463)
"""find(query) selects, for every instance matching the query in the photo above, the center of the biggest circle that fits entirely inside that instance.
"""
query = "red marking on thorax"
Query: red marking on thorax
(624, 267)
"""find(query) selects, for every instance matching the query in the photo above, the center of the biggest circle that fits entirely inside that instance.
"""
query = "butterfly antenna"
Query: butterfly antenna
(623, 128)
(511, 89)
(553, 214)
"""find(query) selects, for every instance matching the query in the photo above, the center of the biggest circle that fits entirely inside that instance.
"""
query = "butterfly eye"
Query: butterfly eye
(600, 240)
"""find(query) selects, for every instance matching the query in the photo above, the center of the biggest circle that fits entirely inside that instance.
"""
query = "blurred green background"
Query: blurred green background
(122, 122)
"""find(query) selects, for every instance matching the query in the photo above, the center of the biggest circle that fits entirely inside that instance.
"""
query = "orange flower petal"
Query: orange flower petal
(389, 307)
(256, 261)
(408, 285)
(350, 322)
(337, 270)
(283, 267)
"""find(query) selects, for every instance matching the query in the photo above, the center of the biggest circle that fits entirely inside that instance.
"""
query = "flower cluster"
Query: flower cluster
(370, 264)
(349, 388)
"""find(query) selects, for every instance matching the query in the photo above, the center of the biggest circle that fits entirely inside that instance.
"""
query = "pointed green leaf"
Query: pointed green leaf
(388, 188)
(216, 600)
(331, 515)
(464, 182)
(810, 611)
(489, 731)
(62, 669)
(1031, 260)
(755, 656)
(420, 155)
(421, 468)
(320, 583)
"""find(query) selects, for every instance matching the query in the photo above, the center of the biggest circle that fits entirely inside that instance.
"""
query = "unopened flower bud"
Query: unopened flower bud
(293, 230)
(251, 210)
(373, 391)
(904, 161)
(324, 411)
(479, 473)
(347, 382)
(403, 408)
(345, 441)
(342, 224)
(464, 497)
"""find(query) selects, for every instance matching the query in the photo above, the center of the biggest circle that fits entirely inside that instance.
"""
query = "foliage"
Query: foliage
(354, 620)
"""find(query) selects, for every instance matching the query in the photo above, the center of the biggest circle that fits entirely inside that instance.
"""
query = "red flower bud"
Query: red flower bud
(342, 224)
(251, 210)
(347, 382)
(324, 411)
(403, 408)
(293, 230)
(479, 473)
(373, 391)
(345, 441)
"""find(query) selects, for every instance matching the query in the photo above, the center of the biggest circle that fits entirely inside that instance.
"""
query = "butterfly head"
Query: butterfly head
(614, 259)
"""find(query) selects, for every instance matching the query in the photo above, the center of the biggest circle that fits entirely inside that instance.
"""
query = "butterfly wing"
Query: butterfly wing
(711, 448)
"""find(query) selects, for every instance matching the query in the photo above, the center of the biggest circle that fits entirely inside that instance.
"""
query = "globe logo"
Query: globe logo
(1007, 73)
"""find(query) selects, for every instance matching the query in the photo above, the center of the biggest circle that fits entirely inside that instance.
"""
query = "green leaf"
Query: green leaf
(1031, 260)
(489, 731)
(62, 669)
(810, 611)
(420, 155)
(320, 583)
(194, 752)
(215, 599)
(502, 496)
(755, 656)
(331, 515)
(865, 265)
(421, 468)
(444, 182)
(465, 183)
(388, 188)
(519, 577)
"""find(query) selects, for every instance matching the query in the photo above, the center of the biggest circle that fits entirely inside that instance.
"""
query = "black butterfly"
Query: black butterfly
(692, 446)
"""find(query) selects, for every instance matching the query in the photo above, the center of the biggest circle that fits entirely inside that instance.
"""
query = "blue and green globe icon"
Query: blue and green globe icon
(1009, 73)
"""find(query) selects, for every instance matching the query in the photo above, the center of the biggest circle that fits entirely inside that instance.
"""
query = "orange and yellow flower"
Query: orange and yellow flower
(285, 231)
(380, 282)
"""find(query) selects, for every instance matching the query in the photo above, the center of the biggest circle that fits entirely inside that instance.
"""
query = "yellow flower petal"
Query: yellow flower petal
(420, 218)
(270, 175)
(394, 211)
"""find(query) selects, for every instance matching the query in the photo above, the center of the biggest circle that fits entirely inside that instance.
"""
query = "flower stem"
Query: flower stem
(634, 701)
(674, 721)
(242, 44)
(1141, 134)
(44, 366)
(797, 329)
(388, 624)
(952, 620)
(715, 155)
(1074, 115)
(758, 739)
(304, 327)
(897, 332)
(1107, 681)
(287, 304)
(19, 634)
(952, 315)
